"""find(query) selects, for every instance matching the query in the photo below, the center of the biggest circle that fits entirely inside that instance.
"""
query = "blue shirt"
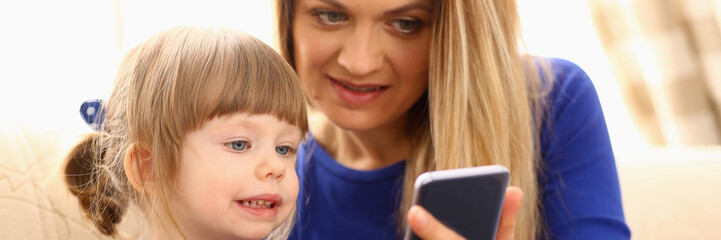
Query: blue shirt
(579, 186)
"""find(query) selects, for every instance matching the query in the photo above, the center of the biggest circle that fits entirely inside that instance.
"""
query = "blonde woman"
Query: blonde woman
(401, 87)
(200, 133)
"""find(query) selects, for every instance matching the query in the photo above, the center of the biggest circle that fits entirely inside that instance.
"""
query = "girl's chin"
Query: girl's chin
(249, 232)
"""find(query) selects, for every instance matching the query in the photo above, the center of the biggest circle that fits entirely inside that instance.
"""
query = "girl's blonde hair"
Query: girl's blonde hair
(165, 88)
(484, 103)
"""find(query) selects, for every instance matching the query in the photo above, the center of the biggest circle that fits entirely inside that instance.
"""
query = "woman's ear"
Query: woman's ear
(139, 167)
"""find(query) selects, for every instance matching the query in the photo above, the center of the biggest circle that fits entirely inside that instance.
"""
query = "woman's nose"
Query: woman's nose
(271, 167)
(361, 53)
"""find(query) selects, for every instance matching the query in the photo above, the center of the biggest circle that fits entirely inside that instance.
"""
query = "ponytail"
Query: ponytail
(99, 198)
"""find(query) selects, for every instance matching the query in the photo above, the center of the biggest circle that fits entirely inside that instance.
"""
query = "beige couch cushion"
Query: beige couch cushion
(672, 193)
(667, 193)
(34, 200)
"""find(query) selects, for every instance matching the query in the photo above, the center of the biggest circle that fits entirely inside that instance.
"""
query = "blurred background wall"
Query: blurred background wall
(655, 63)
(666, 56)
(56, 54)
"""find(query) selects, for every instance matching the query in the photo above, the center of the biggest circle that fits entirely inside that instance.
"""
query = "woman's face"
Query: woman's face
(363, 63)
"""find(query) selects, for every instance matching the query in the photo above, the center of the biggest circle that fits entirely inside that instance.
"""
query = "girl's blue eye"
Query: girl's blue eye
(282, 150)
(329, 17)
(406, 26)
(238, 145)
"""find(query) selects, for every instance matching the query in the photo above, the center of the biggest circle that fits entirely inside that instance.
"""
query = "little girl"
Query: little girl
(200, 132)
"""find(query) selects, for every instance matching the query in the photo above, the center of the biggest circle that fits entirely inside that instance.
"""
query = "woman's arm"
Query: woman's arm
(579, 188)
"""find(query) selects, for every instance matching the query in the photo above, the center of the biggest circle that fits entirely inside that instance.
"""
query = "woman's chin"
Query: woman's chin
(356, 124)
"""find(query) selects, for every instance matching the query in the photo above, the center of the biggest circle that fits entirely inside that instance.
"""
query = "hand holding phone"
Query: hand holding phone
(468, 200)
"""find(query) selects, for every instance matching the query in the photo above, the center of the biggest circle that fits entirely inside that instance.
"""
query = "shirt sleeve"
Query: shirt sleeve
(579, 186)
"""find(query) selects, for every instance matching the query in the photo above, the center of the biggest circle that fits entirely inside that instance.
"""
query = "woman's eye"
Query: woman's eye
(282, 150)
(329, 17)
(406, 26)
(238, 145)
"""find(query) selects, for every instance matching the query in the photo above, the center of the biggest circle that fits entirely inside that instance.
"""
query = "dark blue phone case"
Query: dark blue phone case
(469, 202)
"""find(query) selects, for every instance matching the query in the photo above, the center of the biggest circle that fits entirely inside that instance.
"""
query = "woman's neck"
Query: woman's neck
(363, 150)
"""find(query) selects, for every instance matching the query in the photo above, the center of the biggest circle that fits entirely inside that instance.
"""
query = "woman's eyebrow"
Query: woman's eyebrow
(409, 7)
(335, 4)
(403, 9)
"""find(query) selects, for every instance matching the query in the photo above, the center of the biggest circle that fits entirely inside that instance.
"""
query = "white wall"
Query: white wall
(56, 54)
(564, 29)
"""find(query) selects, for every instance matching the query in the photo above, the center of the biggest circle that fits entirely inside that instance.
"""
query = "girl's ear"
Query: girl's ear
(139, 167)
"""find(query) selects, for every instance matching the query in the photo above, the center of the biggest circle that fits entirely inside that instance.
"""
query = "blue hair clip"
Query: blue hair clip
(93, 113)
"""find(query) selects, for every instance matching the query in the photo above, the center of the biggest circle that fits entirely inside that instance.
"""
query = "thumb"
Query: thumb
(511, 205)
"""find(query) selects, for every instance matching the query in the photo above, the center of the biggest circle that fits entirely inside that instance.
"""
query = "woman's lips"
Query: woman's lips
(357, 94)
(263, 206)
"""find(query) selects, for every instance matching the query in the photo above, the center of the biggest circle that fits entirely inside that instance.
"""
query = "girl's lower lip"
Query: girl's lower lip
(353, 97)
(259, 212)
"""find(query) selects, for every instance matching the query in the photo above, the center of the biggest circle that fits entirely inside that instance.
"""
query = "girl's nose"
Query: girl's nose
(270, 167)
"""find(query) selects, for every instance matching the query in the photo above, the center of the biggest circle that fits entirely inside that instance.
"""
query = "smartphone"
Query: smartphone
(467, 200)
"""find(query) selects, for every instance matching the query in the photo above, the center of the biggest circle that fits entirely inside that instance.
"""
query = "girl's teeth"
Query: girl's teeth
(257, 204)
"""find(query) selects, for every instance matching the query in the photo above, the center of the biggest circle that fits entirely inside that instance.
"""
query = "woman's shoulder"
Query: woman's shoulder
(572, 105)
(562, 66)
(565, 83)
(568, 79)
(580, 191)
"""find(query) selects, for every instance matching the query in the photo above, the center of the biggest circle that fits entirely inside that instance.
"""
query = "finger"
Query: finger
(511, 205)
(425, 226)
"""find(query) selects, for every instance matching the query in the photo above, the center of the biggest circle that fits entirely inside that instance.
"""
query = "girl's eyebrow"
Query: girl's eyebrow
(244, 124)
(237, 124)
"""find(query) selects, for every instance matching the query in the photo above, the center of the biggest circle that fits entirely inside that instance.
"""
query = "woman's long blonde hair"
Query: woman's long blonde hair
(165, 88)
(485, 98)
